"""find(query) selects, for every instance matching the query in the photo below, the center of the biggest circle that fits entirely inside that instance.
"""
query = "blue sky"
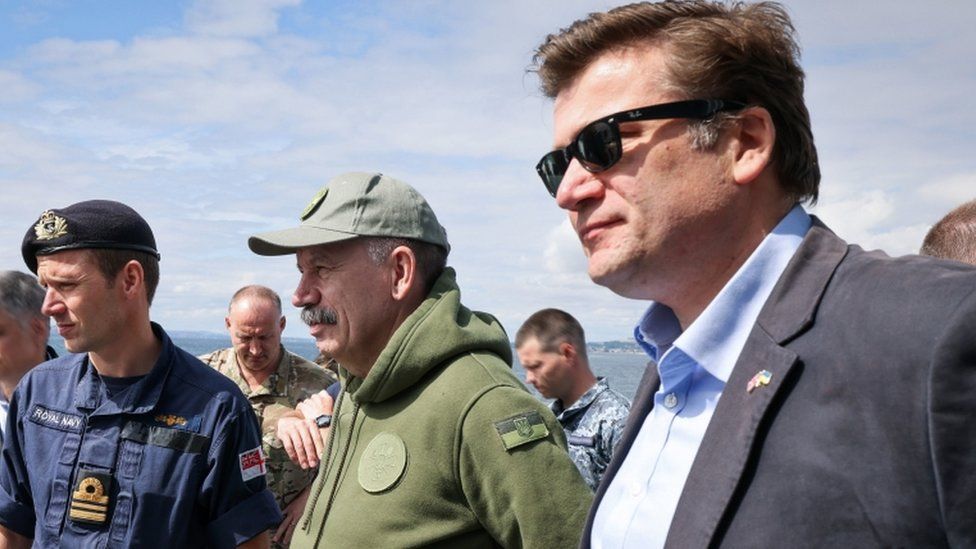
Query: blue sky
(220, 119)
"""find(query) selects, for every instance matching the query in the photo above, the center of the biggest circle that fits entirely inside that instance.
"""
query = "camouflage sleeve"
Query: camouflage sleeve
(614, 412)
(209, 358)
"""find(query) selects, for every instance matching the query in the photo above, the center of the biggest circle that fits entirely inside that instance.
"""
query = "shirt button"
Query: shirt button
(635, 489)
(670, 401)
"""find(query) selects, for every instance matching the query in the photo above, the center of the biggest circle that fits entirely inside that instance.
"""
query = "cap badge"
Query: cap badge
(50, 226)
(316, 200)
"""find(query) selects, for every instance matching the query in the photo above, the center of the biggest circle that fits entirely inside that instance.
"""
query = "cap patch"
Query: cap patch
(521, 429)
(50, 226)
(314, 204)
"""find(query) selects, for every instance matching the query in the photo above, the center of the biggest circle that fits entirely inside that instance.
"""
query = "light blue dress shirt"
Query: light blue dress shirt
(694, 366)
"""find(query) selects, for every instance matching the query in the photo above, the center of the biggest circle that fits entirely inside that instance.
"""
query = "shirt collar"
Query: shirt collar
(716, 338)
(141, 397)
(584, 400)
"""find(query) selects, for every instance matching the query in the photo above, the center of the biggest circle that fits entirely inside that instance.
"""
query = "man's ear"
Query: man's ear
(281, 323)
(568, 351)
(132, 278)
(403, 272)
(753, 138)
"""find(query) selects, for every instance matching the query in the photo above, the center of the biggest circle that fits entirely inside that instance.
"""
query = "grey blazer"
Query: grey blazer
(865, 435)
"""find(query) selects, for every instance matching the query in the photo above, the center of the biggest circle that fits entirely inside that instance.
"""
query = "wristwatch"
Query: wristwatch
(323, 421)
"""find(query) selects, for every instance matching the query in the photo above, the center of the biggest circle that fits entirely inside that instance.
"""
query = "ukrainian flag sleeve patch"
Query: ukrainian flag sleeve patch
(521, 429)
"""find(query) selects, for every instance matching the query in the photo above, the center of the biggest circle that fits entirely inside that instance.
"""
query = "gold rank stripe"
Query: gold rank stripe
(89, 506)
(87, 515)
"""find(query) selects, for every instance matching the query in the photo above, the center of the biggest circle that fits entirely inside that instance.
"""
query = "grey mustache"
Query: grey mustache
(318, 315)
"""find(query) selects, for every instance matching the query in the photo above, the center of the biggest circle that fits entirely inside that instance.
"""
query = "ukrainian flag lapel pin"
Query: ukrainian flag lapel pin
(758, 380)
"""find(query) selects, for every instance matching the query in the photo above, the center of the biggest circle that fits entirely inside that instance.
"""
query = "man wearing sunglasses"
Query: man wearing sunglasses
(801, 390)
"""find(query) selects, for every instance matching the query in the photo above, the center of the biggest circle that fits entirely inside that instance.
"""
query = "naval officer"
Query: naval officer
(130, 441)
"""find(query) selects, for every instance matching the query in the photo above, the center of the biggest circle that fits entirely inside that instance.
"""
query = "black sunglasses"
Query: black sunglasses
(597, 146)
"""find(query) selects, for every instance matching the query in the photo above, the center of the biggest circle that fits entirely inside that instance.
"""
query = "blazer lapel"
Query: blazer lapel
(730, 439)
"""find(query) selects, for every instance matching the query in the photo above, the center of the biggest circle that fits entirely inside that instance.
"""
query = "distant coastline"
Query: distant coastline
(622, 362)
(618, 346)
(305, 346)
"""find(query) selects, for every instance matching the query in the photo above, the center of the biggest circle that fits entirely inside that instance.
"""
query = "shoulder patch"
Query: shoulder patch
(520, 429)
(252, 464)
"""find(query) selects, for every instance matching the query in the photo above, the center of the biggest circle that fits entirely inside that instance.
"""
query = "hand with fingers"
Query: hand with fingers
(299, 433)
(292, 513)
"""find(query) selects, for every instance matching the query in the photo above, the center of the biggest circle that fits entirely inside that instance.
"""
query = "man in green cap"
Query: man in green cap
(434, 440)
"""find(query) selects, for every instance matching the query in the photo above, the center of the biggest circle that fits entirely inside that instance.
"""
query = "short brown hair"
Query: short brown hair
(737, 51)
(111, 260)
(552, 327)
(954, 236)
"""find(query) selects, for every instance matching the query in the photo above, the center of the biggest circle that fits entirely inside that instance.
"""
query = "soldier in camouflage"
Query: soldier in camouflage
(552, 348)
(274, 380)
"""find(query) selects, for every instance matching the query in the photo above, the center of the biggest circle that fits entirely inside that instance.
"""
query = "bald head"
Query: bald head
(256, 292)
(954, 236)
(255, 325)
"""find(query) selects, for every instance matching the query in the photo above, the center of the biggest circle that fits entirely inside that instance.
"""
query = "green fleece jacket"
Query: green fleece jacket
(441, 445)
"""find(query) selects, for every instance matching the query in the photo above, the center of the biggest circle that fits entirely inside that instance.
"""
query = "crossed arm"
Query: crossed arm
(301, 437)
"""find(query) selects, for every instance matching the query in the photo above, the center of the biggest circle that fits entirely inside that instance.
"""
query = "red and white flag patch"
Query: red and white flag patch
(252, 464)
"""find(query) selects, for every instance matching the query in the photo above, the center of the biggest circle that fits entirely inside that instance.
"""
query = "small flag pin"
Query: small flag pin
(758, 380)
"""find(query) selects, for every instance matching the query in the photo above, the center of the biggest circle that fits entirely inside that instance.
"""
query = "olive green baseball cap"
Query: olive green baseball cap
(352, 205)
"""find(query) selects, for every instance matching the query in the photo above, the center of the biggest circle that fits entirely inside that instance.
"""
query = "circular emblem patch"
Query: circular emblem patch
(316, 200)
(383, 463)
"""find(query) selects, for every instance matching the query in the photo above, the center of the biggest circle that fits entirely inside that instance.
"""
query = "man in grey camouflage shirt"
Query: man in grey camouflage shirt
(274, 380)
(552, 348)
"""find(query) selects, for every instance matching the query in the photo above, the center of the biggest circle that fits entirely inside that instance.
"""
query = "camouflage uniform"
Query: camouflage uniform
(593, 425)
(294, 380)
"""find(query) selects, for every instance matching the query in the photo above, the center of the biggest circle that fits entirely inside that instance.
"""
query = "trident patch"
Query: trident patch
(520, 429)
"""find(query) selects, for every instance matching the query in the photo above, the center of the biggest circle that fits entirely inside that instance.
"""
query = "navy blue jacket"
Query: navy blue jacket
(174, 454)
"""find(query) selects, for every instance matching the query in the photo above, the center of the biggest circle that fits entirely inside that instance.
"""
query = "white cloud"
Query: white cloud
(950, 191)
(15, 87)
(229, 125)
(246, 18)
(563, 251)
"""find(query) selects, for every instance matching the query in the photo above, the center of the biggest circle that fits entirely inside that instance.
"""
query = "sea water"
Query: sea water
(623, 370)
